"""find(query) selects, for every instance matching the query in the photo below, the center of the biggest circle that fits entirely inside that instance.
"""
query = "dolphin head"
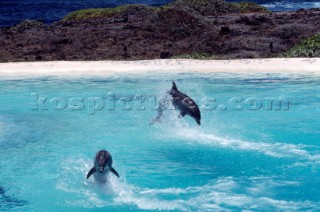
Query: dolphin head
(196, 114)
(197, 118)
(198, 121)
(102, 160)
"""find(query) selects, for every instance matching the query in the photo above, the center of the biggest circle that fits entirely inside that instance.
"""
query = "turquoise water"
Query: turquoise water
(254, 158)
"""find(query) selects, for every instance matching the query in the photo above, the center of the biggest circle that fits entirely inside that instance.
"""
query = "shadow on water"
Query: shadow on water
(8, 201)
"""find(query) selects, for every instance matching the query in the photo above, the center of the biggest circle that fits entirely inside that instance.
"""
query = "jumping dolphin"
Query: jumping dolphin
(102, 165)
(182, 102)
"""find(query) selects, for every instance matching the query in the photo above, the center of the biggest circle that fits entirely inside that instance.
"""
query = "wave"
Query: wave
(225, 193)
(289, 5)
(202, 136)
(271, 149)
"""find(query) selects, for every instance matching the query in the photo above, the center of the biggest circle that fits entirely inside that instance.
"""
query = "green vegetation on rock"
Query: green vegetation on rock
(309, 47)
(103, 12)
(203, 7)
(245, 7)
(213, 7)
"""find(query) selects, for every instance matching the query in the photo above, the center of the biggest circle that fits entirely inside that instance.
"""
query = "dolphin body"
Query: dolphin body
(102, 165)
(182, 102)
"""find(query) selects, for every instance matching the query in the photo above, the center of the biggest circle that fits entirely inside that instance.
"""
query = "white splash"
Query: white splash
(201, 136)
(225, 193)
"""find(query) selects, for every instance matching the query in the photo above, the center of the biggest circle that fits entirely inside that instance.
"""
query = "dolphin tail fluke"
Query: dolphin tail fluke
(93, 170)
(114, 172)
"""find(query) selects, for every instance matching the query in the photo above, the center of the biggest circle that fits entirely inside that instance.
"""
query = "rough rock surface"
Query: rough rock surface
(151, 34)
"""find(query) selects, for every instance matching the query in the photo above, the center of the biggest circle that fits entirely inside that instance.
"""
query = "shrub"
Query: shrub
(104, 12)
(245, 7)
(309, 47)
(214, 7)
(204, 7)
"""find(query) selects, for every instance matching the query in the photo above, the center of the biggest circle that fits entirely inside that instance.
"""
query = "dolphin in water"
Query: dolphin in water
(102, 165)
(8, 202)
(180, 101)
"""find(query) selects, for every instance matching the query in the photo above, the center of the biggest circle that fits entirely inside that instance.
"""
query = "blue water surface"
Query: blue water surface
(49, 11)
(254, 158)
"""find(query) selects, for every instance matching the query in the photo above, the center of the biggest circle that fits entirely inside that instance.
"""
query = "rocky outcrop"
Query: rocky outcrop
(142, 32)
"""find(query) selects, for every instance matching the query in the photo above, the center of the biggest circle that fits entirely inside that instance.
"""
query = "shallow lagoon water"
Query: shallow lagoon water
(253, 159)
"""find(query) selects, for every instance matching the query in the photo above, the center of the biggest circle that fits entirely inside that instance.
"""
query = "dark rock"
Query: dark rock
(62, 41)
(39, 57)
(165, 55)
(225, 30)
(271, 46)
(242, 20)
(125, 49)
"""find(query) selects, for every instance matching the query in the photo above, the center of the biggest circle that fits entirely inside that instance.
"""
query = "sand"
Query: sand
(101, 68)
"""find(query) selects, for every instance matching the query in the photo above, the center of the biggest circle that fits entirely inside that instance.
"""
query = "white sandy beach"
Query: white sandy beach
(92, 68)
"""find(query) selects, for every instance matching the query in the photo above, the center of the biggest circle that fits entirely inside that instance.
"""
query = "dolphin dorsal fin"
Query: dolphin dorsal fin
(174, 87)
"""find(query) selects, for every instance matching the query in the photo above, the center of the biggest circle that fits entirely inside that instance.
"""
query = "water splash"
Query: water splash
(224, 193)
(194, 135)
